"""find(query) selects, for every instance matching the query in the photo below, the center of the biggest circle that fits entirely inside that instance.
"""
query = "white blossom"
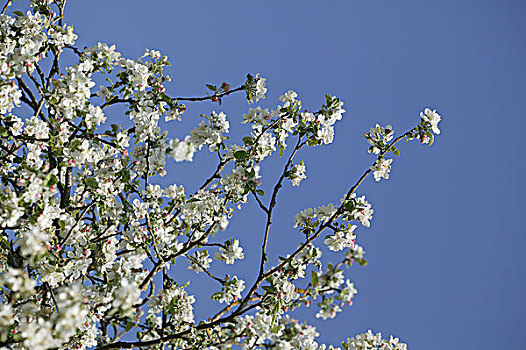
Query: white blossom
(304, 217)
(297, 173)
(33, 241)
(230, 291)
(230, 252)
(433, 118)
(381, 168)
(125, 296)
(182, 150)
(261, 90)
(341, 239)
(370, 341)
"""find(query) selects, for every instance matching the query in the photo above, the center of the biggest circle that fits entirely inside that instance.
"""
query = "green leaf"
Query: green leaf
(248, 140)
(18, 13)
(241, 155)
(211, 87)
(216, 295)
(92, 182)
(260, 192)
(275, 329)
(50, 180)
(281, 149)
(129, 326)
(3, 131)
(167, 99)
(349, 205)
(313, 142)
(345, 345)
(315, 279)
(270, 289)
(395, 151)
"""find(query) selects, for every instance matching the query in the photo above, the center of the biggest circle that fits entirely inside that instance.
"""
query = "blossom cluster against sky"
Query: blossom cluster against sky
(445, 245)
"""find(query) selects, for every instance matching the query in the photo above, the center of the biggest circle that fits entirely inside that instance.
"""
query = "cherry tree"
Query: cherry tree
(89, 240)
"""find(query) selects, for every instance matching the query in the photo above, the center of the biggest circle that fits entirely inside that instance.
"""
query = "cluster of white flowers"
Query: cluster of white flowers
(258, 115)
(328, 309)
(136, 74)
(371, 341)
(381, 168)
(295, 267)
(286, 290)
(433, 118)
(104, 56)
(125, 296)
(325, 212)
(306, 217)
(358, 209)
(21, 45)
(289, 99)
(230, 252)
(202, 208)
(182, 150)
(257, 85)
(327, 120)
(230, 291)
(297, 173)
(239, 180)
(200, 260)
(37, 128)
(60, 37)
(428, 126)
(33, 241)
(43, 333)
(74, 89)
(17, 281)
(379, 137)
(210, 135)
(178, 304)
(341, 239)
(286, 334)
(363, 211)
(10, 211)
(9, 96)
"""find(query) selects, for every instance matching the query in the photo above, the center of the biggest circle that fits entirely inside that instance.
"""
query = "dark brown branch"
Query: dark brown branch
(4, 9)
(180, 335)
(271, 206)
(204, 98)
(192, 259)
(261, 205)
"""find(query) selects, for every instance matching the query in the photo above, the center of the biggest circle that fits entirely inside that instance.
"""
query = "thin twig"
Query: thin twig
(194, 260)
(4, 9)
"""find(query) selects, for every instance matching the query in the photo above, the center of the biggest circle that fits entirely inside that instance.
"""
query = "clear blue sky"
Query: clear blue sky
(445, 249)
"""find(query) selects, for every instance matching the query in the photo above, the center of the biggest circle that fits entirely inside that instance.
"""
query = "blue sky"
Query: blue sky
(445, 248)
